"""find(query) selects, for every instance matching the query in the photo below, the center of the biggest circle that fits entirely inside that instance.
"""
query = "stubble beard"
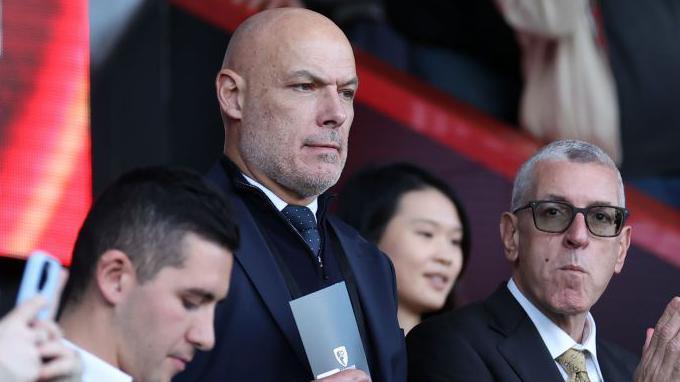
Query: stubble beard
(265, 154)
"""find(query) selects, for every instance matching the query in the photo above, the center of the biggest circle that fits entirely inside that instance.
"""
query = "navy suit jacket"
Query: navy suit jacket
(256, 336)
(495, 341)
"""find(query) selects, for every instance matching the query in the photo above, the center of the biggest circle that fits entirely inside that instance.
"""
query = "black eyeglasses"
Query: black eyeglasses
(556, 217)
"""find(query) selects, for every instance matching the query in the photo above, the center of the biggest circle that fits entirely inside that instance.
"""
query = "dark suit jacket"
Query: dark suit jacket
(495, 341)
(256, 336)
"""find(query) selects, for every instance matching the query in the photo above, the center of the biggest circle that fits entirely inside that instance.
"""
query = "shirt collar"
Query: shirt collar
(556, 340)
(279, 203)
(96, 369)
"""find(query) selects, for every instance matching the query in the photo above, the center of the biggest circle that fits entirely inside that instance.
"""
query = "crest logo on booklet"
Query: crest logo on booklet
(341, 355)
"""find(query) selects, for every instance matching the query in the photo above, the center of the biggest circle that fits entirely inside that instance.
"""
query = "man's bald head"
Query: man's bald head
(286, 91)
(251, 42)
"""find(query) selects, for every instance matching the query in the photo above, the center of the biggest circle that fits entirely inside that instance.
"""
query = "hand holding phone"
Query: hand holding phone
(31, 344)
(41, 277)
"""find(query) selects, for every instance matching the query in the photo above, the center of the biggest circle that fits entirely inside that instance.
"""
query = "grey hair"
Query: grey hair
(570, 150)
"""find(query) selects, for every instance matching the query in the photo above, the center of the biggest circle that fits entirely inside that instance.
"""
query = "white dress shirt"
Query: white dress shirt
(278, 202)
(96, 370)
(557, 340)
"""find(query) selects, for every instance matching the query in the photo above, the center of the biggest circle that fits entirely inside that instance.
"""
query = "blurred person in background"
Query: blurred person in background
(569, 89)
(418, 221)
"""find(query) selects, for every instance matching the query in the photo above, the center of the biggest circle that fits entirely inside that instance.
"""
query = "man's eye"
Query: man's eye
(604, 218)
(189, 304)
(304, 86)
(552, 211)
(347, 94)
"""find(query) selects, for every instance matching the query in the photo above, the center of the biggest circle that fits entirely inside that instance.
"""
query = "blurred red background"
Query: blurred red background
(45, 166)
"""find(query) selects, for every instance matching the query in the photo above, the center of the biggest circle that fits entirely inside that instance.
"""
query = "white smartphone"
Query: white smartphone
(41, 276)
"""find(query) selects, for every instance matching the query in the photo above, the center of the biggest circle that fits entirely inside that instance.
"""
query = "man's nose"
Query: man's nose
(577, 234)
(201, 334)
(332, 108)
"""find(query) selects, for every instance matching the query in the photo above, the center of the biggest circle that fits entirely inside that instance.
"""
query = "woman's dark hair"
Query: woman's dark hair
(370, 198)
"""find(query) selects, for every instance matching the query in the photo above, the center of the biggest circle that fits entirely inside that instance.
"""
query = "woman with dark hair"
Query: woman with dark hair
(417, 220)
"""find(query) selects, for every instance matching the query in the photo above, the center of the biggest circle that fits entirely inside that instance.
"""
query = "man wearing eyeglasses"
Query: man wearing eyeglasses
(565, 238)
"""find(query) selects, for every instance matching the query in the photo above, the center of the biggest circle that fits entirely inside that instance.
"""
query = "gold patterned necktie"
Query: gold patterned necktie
(574, 362)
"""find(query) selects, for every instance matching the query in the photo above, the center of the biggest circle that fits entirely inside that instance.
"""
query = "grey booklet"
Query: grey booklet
(329, 333)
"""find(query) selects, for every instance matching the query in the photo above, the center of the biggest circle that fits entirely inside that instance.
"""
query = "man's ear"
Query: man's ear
(114, 275)
(622, 250)
(230, 90)
(510, 236)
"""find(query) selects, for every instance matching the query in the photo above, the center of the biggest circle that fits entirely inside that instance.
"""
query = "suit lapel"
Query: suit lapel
(609, 372)
(379, 311)
(522, 347)
(613, 368)
(259, 265)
